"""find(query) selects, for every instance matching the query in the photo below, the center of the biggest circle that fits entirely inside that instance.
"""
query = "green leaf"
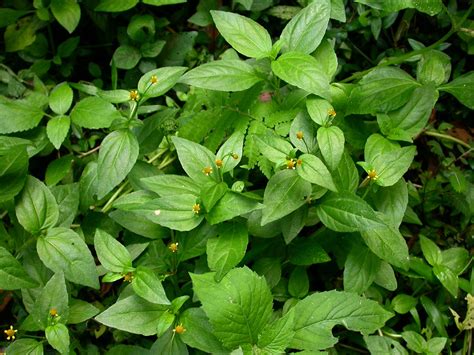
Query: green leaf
(306, 30)
(175, 212)
(147, 285)
(243, 34)
(166, 321)
(197, 161)
(67, 12)
(273, 147)
(319, 110)
(60, 99)
(21, 34)
(231, 205)
(163, 2)
(312, 169)
(338, 10)
(447, 278)
(199, 333)
(115, 6)
(58, 169)
(414, 341)
(435, 345)
(36, 208)
(382, 90)
(238, 307)
(276, 336)
(326, 56)
(58, 337)
(63, 250)
(431, 251)
(222, 75)
(12, 274)
(80, 311)
(211, 193)
(114, 96)
(167, 77)
(117, 156)
(111, 253)
(57, 129)
(307, 251)
(138, 224)
(231, 152)
(21, 115)
(434, 67)
(134, 315)
(384, 345)
(284, 193)
(170, 185)
(360, 269)
(13, 170)
(169, 344)
(94, 112)
(25, 346)
(302, 124)
(331, 143)
(298, 283)
(53, 296)
(402, 303)
(303, 71)
(385, 277)
(456, 259)
(392, 201)
(227, 249)
(462, 88)
(346, 176)
(9, 16)
(317, 314)
(126, 57)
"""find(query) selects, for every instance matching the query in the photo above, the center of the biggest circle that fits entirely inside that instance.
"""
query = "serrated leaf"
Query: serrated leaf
(222, 75)
(117, 156)
(58, 337)
(63, 250)
(20, 115)
(57, 129)
(12, 274)
(360, 269)
(238, 307)
(317, 314)
(243, 34)
(276, 336)
(36, 208)
(25, 346)
(60, 99)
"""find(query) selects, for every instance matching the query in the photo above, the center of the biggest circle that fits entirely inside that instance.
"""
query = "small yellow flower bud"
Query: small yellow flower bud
(235, 156)
(10, 333)
(299, 162)
(196, 208)
(173, 247)
(332, 113)
(373, 175)
(290, 164)
(128, 277)
(153, 79)
(53, 312)
(219, 163)
(299, 135)
(134, 95)
(207, 170)
(179, 329)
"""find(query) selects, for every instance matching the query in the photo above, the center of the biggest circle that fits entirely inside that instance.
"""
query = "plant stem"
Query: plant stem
(447, 137)
(111, 200)
(92, 151)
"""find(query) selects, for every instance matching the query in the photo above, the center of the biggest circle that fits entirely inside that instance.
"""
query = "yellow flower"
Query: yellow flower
(153, 79)
(173, 247)
(179, 329)
(299, 135)
(235, 156)
(219, 163)
(10, 333)
(134, 96)
(290, 164)
(53, 312)
(207, 170)
(128, 277)
(373, 175)
(332, 113)
(196, 208)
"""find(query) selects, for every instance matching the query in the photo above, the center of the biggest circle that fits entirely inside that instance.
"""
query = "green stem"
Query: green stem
(404, 57)
(447, 137)
(111, 200)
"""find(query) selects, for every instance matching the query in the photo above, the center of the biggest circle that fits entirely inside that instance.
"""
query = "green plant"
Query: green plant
(260, 206)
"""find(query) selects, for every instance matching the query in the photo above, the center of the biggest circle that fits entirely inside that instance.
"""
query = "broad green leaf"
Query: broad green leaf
(67, 12)
(58, 169)
(67, 197)
(199, 333)
(115, 6)
(231, 205)
(238, 307)
(377, 145)
(211, 193)
(431, 7)
(25, 346)
(57, 129)
(197, 161)
(9, 16)
(392, 201)
(306, 30)
(385, 277)
(126, 57)
(435, 345)
(402, 303)
(462, 88)
(58, 337)
(244, 34)
(12, 274)
(298, 282)
(434, 67)
(193, 243)
(319, 110)
(331, 143)
(147, 285)
(163, 2)
(312, 169)
(60, 99)
(346, 176)
(138, 224)
(167, 77)
(36, 208)
(227, 249)
(381, 91)
(434, 315)
(53, 296)
(377, 344)
(117, 156)
(166, 321)
(276, 336)
(338, 10)
(179, 212)
(303, 71)
(447, 278)
(21, 34)
(273, 147)
(316, 315)
(431, 251)
(222, 75)
(94, 112)
(292, 224)
(307, 251)
(88, 186)
(80, 311)
(303, 133)
(114, 96)
(284, 193)
(170, 185)
(415, 341)
(21, 115)
(408, 121)
(169, 344)
(134, 315)
(456, 259)
(63, 250)
(13, 170)
(231, 152)
(360, 269)
(326, 56)
(111, 253)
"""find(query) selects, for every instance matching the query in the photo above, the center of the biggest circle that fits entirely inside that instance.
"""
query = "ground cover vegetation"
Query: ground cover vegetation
(245, 177)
